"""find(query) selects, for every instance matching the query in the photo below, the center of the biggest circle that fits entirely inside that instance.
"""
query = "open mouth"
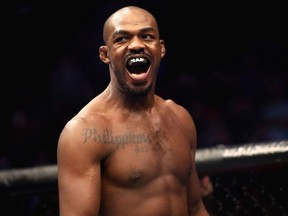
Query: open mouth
(138, 65)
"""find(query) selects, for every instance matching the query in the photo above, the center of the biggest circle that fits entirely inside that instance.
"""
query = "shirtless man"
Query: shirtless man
(129, 152)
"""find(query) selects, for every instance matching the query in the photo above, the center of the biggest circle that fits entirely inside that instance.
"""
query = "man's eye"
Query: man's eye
(121, 39)
(147, 37)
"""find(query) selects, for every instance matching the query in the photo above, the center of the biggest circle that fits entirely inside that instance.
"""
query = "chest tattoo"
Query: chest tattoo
(120, 140)
(106, 137)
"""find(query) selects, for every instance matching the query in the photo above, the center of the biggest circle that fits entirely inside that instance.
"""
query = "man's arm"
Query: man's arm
(78, 173)
(195, 203)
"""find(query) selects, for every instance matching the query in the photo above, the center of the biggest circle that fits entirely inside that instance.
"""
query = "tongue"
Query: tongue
(138, 77)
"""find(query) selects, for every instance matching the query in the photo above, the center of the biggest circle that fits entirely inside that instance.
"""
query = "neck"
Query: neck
(129, 102)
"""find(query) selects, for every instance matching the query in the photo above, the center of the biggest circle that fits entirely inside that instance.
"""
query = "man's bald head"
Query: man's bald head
(125, 15)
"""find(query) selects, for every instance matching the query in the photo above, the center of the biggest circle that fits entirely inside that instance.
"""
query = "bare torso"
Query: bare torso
(147, 162)
(127, 162)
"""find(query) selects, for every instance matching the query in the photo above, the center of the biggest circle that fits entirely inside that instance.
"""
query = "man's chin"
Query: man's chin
(138, 92)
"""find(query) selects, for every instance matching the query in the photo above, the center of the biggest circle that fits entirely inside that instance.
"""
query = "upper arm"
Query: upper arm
(78, 173)
(195, 202)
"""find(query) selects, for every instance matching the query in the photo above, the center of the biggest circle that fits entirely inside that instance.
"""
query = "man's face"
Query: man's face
(134, 51)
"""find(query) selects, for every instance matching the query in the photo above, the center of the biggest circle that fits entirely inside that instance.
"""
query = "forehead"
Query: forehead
(130, 19)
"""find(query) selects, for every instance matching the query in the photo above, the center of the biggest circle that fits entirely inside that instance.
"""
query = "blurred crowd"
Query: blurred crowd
(239, 100)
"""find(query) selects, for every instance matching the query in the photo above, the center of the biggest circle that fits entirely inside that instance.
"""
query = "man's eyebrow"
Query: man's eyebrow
(147, 29)
(120, 32)
(127, 32)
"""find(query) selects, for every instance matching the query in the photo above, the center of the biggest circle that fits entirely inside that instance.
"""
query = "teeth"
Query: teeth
(135, 60)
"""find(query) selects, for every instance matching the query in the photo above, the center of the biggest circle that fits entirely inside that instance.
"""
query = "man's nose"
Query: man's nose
(136, 44)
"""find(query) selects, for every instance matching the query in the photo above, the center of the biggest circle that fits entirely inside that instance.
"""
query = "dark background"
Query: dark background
(226, 63)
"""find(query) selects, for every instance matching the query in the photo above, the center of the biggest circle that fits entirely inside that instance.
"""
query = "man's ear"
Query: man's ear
(163, 48)
(103, 54)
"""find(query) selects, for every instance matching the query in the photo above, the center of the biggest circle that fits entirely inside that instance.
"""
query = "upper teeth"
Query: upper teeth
(134, 60)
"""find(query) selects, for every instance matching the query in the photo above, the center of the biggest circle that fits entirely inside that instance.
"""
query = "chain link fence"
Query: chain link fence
(248, 180)
(253, 192)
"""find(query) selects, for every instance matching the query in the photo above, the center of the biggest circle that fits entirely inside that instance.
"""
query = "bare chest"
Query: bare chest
(143, 153)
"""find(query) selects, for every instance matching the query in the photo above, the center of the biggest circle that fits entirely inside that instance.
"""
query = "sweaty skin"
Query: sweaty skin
(129, 152)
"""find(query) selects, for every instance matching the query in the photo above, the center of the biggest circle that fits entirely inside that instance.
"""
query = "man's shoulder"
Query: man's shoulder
(82, 128)
(174, 106)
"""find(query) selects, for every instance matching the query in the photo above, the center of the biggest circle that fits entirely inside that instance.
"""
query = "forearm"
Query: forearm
(199, 210)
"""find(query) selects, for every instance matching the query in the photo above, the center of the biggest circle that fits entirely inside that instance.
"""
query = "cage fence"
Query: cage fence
(247, 181)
